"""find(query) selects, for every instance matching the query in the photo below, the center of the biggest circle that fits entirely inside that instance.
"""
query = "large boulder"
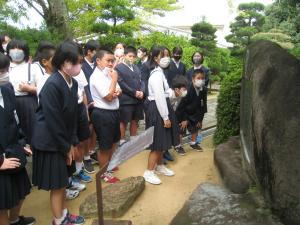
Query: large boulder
(228, 158)
(214, 205)
(117, 198)
(270, 125)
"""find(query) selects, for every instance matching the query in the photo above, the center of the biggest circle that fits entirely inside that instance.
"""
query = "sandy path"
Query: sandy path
(157, 205)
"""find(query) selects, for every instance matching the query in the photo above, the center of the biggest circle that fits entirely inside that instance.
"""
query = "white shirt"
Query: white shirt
(82, 82)
(88, 62)
(176, 63)
(159, 90)
(41, 82)
(19, 73)
(100, 82)
(174, 99)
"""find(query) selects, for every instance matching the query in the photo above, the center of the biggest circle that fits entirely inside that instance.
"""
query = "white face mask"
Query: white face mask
(164, 62)
(119, 52)
(199, 83)
(183, 93)
(4, 46)
(16, 55)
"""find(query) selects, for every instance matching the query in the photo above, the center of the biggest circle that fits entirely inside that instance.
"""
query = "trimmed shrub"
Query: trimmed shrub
(228, 109)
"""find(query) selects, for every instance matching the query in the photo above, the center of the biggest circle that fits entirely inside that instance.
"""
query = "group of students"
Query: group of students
(58, 105)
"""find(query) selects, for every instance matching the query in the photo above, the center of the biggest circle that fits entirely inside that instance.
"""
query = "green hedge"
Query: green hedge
(228, 109)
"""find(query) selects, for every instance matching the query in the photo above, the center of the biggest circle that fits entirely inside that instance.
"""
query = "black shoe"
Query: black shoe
(180, 150)
(88, 166)
(25, 221)
(168, 156)
(94, 158)
(197, 147)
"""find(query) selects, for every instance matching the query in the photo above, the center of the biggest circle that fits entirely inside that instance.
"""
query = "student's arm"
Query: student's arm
(159, 95)
(112, 88)
(52, 108)
(88, 95)
(124, 86)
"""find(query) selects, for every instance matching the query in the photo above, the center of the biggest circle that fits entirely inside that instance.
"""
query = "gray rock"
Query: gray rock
(117, 198)
(270, 126)
(228, 158)
(213, 205)
(113, 222)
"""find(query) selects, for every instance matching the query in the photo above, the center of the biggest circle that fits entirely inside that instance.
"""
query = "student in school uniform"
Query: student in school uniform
(160, 114)
(4, 40)
(190, 112)
(54, 137)
(119, 53)
(106, 116)
(176, 66)
(129, 79)
(142, 54)
(197, 60)
(14, 186)
(88, 67)
(23, 79)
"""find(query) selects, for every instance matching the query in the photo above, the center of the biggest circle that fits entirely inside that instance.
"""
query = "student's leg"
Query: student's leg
(92, 139)
(57, 199)
(160, 159)
(4, 217)
(103, 157)
(153, 160)
(123, 130)
(15, 212)
(194, 137)
(133, 127)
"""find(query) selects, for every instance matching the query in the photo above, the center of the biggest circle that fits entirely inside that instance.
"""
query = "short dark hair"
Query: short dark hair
(19, 44)
(121, 43)
(130, 49)
(198, 71)
(91, 45)
(155, 52)
(101, 53)
(165, 48)
(143, 49)
(66, 51)
(202, 56)
(177, 50)
(179, 81)
(4, 61)
(44, 51)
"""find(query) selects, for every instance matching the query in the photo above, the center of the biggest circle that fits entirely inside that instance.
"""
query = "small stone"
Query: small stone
(117, 198)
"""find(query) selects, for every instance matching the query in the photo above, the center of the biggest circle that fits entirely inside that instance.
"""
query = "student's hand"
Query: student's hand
(199, 125)
(23, 86)
(10, 163)
(167, 123)
(28, 150)
(183, 125)
(139, 94)
(70, 156)
(118, 92)
(91, 105)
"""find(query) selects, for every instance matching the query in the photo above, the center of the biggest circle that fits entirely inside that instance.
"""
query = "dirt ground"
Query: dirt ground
(157, 205)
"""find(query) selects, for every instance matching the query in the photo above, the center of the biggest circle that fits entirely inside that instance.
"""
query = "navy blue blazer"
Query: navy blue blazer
(87, 70)
(145, 73)
(189, 74)
(192, 107)
(10, 133)
(172, 71)
(56, 116)
(130, 82)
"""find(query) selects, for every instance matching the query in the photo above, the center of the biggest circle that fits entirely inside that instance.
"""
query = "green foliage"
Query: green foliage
(30, 35)
(248, 22)
(109, 41)
(296, 52)
(203, 34)
(228, 109)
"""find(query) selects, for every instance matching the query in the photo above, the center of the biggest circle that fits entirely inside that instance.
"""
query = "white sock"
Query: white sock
(59, 220)
(178, 146)
(70, 180)
(65, 212)
(192, 142)
(78, 167)
(87, 157)
(122, 141)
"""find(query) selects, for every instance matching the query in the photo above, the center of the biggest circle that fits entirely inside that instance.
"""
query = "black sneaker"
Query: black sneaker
(88, 166)
(180, 150)
(168, 156)
(94, 158)
(25, 221)
(197, 147)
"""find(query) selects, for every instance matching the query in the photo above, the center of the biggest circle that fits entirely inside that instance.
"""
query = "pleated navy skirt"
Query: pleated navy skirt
(26, 107)
(50, 170)
(13, 188)
(164, 138)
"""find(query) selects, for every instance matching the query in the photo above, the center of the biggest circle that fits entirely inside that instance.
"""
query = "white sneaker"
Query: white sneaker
(71, 194)
(162, 169)
(77, 186)
(151, 177)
